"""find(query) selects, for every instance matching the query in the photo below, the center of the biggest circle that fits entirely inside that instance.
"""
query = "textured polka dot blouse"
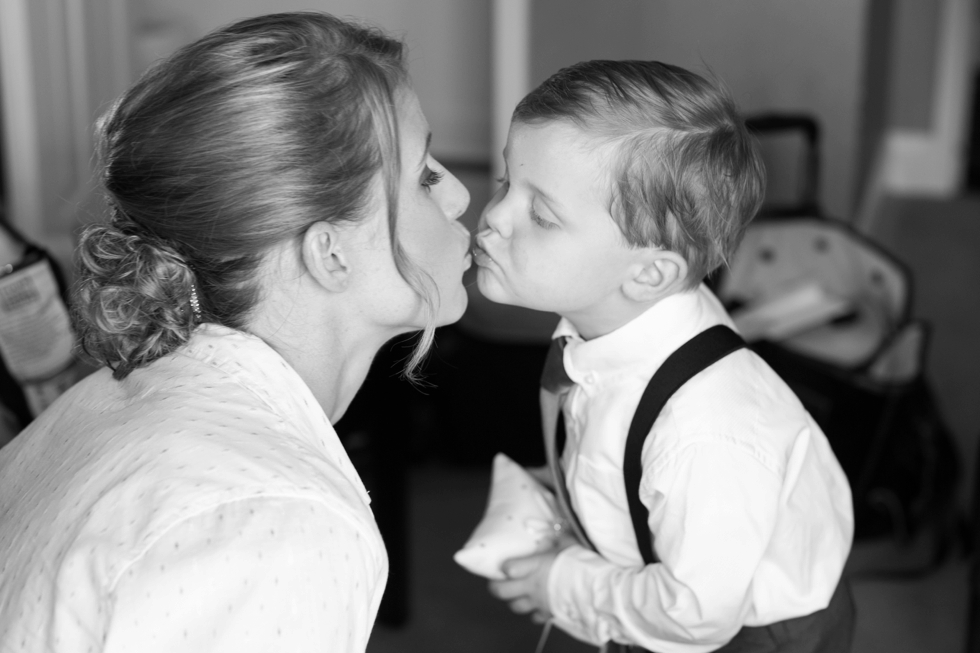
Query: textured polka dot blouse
(204, 503)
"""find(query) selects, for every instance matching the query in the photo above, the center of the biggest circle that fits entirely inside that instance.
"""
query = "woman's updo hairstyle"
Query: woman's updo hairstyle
(234, 144)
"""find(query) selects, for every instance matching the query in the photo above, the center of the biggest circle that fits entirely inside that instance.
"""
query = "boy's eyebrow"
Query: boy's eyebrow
(549, 198)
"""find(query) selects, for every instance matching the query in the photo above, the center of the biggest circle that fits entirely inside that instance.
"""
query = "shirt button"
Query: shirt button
(590, 378)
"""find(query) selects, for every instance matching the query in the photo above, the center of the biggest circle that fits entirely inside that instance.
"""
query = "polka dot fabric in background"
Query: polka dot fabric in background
(204, 503)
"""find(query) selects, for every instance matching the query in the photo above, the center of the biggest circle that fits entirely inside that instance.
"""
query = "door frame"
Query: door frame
(87, 67)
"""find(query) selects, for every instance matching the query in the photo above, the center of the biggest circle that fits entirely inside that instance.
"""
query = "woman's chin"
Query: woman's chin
(451, 313)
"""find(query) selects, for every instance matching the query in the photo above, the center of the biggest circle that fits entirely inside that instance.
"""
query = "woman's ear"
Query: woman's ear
(658, 273)
(324, 256)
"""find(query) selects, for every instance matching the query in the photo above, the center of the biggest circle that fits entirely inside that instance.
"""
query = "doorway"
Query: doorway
(973, 148)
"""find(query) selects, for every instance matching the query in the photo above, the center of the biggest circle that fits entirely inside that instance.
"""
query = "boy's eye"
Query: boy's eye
(541, 222)
(431, 177)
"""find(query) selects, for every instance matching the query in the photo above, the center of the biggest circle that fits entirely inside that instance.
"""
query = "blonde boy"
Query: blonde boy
(627, 183)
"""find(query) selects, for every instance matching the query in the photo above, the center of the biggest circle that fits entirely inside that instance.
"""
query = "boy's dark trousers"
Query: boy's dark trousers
(826, 631)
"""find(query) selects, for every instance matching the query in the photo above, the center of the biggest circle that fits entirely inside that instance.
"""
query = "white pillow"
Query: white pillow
(520, 516)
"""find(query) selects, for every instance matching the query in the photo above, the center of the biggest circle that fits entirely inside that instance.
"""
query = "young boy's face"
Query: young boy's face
(547, 240)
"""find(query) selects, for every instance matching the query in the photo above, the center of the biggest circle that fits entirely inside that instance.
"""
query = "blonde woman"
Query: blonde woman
(276, 217)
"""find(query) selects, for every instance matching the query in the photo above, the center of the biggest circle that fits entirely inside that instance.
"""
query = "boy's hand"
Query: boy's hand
(526, 586)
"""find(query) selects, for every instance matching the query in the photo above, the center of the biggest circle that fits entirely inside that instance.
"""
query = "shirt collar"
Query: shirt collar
(260, 368)
(646, 340)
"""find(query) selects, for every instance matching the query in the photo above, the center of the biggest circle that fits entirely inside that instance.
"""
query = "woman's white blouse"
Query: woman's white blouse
(204, 503)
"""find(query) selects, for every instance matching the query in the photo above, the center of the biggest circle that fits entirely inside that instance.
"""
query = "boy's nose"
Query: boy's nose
(494, 217)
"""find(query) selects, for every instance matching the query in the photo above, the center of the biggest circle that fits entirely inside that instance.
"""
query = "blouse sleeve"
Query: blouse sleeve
(270, 574)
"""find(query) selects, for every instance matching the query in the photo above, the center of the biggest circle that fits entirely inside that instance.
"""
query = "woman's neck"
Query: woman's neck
(334, 372)
(326, 344)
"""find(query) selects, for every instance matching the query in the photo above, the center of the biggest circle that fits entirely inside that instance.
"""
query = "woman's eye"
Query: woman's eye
(431, 178)
(538, 220)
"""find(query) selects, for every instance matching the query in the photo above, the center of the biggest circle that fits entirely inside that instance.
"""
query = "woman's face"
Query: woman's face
(430, 202)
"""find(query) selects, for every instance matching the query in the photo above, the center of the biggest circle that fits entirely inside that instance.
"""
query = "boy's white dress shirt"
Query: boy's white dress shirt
(204, 503)
(750, 510)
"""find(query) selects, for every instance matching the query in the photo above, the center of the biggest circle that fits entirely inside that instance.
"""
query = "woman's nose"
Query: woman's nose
(457, 197)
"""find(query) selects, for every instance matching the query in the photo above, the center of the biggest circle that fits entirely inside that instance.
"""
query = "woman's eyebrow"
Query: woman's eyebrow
(425, 152)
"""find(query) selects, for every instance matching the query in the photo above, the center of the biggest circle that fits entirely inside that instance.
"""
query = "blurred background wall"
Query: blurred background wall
(448, 45)
(841, 60)
(867, 69)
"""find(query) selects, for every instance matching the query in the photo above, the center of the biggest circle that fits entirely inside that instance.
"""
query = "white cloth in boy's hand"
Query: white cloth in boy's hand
(521, 518)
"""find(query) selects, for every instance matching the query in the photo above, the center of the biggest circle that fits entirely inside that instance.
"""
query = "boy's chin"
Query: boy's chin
(492, 290)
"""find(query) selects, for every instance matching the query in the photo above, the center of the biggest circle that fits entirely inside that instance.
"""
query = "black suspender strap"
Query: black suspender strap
(697, 354)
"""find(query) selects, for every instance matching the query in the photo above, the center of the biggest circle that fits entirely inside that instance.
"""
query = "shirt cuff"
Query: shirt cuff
(571, 596)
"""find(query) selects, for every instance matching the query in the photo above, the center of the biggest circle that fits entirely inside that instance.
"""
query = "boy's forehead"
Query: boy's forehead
(541, 148)
(564, 131)
(558, 138)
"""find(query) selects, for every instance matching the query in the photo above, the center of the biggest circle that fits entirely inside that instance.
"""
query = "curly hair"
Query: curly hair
(688, 175)
(236, 143)
(136, 290)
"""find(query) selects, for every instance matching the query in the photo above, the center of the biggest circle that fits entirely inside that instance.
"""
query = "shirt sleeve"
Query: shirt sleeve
(712, 513)
(269, 574)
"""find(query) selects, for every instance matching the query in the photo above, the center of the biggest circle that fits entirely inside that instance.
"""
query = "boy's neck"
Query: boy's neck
(600, 320)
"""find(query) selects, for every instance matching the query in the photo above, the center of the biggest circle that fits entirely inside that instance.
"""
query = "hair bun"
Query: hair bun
(132, 299)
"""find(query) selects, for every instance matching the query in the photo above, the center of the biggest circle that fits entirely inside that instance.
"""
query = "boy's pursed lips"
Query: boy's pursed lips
(480, 255)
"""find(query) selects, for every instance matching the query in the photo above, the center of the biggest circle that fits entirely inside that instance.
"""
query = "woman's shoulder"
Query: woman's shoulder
(187, 432)
(121, 463)
(220, 383)
(195, 454)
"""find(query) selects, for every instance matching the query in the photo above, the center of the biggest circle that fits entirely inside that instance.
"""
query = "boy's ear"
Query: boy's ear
(659, 273)
(324, 256)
